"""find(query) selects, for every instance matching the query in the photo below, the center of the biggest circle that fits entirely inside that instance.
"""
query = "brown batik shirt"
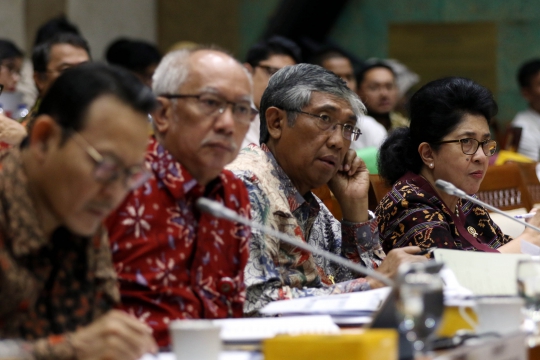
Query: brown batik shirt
(49, 286)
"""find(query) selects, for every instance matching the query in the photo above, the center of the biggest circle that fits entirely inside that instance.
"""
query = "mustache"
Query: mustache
(222, 140)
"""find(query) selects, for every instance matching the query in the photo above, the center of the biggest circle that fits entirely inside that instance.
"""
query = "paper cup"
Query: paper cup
(195, 339)
(500, 315)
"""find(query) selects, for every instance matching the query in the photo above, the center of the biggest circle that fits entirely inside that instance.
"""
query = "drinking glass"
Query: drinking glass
(420, 307)
(528, 283)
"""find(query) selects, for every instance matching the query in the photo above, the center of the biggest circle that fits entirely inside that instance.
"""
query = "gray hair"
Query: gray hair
(173, 69)
(290, 89)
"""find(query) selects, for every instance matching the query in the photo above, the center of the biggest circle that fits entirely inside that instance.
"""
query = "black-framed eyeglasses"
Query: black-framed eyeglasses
(470, 146)
(325, 122)
(211, 104)
(107, 169)
(270, 70)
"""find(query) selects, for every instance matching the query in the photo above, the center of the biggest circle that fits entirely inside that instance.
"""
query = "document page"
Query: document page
(485, 274)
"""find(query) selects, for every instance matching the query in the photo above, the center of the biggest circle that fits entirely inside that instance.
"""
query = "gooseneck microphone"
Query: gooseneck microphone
(218, 210)
(451, 189)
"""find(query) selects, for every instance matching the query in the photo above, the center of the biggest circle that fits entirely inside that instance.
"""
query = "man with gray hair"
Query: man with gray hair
(174, 262)
(308, 120)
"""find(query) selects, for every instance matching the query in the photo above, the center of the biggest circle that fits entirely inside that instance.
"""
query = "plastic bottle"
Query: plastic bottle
(22, 111)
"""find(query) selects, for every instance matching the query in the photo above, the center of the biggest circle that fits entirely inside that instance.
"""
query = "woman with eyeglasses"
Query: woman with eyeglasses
(448, 139)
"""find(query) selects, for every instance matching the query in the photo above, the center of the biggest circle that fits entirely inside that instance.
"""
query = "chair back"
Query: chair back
(503, 187)
(530, 177)
(324, 193)
(380, 189)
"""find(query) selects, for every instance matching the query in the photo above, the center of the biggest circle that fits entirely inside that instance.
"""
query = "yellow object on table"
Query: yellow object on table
(505, 155)
(453, 321)
(373, 344)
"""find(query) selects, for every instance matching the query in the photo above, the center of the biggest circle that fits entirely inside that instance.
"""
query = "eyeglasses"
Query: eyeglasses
(325, 122)
(270, 70)
(210, 105)
(470, 146)
(13, 71)
(107, 169)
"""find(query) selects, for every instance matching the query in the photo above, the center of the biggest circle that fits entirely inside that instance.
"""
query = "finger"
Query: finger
(140, 342)
(130, 321)
(358, 165)
(118, 348)
(347, 161)
(410, 249)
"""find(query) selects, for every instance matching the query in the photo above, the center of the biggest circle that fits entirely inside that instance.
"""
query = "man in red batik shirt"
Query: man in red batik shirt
(173, 261)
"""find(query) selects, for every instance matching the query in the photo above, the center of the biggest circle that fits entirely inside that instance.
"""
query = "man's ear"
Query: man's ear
(249, 67)
(426, 153)
(163, 115)
(276, 120)
(45, 132)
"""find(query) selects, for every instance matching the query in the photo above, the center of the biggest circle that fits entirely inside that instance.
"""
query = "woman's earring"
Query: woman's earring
(431, 165)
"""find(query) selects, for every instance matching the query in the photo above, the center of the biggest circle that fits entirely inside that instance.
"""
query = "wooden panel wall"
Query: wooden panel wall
(202, 21)
(450, 49)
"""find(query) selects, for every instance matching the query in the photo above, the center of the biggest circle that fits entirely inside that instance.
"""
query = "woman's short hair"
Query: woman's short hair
(435, 111)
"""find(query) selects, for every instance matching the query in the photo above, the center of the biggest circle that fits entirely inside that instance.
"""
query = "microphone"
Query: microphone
(451, 189)
(218, 210)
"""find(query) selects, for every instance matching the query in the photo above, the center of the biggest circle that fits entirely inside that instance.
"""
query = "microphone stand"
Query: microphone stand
(451, 189)
(220, 211)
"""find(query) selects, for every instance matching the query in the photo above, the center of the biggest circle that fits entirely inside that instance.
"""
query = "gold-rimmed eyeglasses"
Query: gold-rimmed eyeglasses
(470, 146)
(211, 105)
(108, 169)
(325, 122)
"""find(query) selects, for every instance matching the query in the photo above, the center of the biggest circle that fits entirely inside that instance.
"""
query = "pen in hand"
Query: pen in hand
(426, 251)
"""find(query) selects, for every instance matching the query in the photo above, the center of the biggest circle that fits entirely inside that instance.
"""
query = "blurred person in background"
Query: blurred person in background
(263, 60)
(11, 58)
(139, 57)
(51, 58)
(378, 90)
(529, 120)
(26, 85)
(373, 133)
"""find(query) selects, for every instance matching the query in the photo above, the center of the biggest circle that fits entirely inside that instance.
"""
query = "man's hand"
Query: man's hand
(350, 186)
(390, 264)
(115, 335)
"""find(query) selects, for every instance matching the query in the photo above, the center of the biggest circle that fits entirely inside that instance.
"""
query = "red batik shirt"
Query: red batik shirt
(174, 262)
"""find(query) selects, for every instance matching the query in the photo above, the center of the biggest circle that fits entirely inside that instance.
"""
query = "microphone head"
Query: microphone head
(449, 188)
(210, 207)
(444, 185)
(218, 210)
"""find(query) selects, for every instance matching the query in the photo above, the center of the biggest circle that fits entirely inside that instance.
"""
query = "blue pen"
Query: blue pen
(524, 216)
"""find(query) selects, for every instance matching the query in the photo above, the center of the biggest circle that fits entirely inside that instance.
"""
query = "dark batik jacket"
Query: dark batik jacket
(49, 286)
(412, 214)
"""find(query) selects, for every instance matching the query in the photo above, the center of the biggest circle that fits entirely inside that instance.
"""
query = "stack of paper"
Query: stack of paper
(485, 274)
(357, 307)
(253, 330)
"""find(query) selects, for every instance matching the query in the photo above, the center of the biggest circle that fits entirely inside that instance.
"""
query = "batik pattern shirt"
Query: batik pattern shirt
(277, 271)
(412, 214)
(49, 286)
(173, 261)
